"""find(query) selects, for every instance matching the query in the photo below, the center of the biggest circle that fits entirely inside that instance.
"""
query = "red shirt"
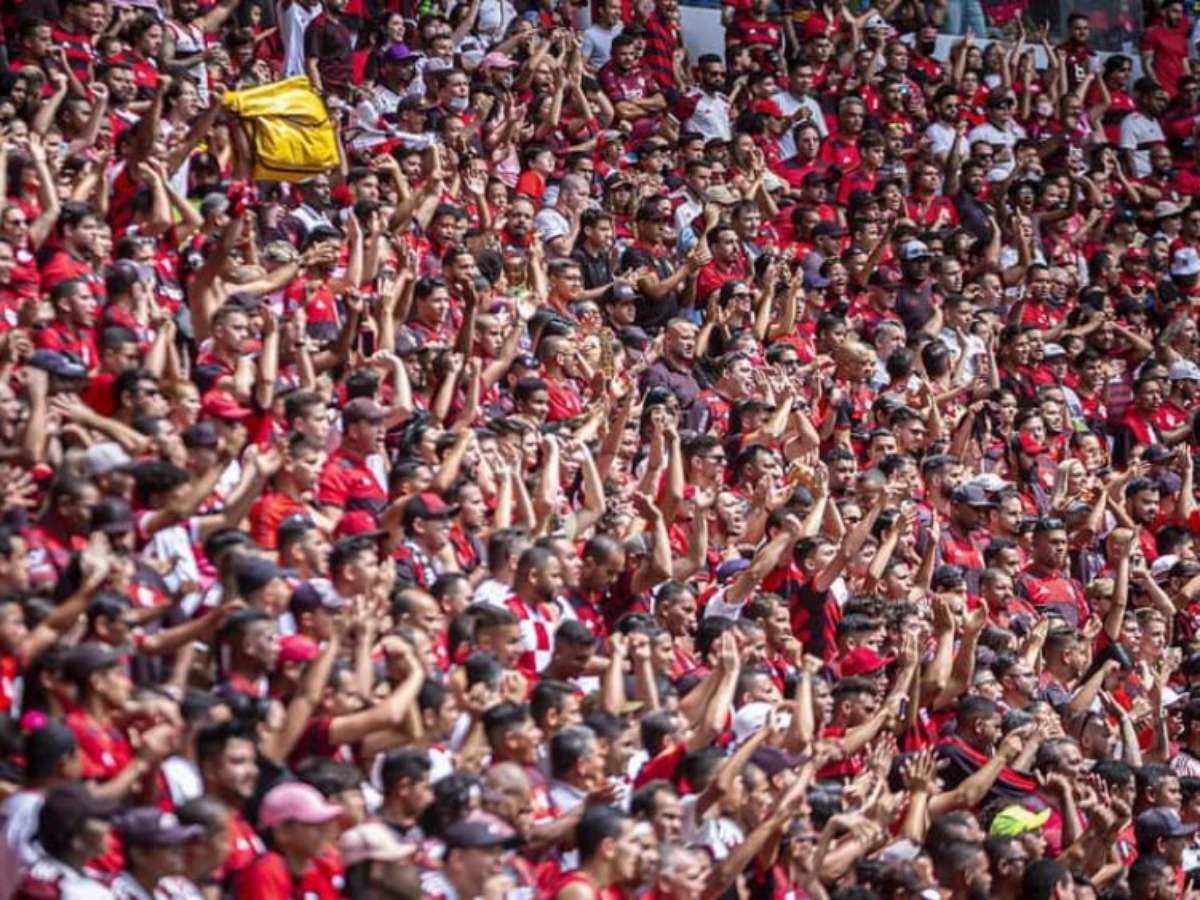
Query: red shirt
(713, 276)
(346, 482)
(63, 265)
(82, 344)
(268, 878)
(244, 846)
(268, 513)
(840, 151)
(565, 402)
(1055, 591)
(1170, 49)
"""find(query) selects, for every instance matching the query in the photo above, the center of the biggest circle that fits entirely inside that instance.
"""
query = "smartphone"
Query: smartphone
(366, 343)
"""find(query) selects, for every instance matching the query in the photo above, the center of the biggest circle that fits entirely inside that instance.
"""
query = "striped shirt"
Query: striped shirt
(662, 40)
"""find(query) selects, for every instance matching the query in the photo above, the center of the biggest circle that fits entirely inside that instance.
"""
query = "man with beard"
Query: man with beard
(313, 210)
(634, 95)
(1016, 678)
(608, 853)
(518, 224)
(962, 871)
(1140, 130)
(726, 265)
(706, 110)
(914, 300)
(969, 505)
(1143, 499)
(942, 474)
(674, 370)
(228, 766)
(394, 83)
(659, 279)
(1046, 583)
(971, 200)
(976, 760)
(1137, 426)
(185, 50)
(735, 382)
(601, 571)
(536, 586)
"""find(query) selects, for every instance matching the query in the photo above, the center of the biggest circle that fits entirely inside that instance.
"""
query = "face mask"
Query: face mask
(927, 47)
(457, 104)
(506, 80)
(1045, 109)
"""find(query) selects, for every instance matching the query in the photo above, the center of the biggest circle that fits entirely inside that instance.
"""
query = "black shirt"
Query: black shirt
(652, 315)
(597, 270)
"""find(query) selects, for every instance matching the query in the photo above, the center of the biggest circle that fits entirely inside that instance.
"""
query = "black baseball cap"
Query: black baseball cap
(84, 660)
(480, 831)
(112, 515)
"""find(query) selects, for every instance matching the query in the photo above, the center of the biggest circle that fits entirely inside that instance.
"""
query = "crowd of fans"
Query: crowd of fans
(629, 474)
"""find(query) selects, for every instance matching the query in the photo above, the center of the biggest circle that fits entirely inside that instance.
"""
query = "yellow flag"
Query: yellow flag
(289, 129)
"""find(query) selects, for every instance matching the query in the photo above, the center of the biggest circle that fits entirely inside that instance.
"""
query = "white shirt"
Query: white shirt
(566, 796)
(941, 138)
(492, 592)
(72, 885)
(710, 117)
(188, 40)
(790, 105)
(294, 20)
(975, 350)
(719, 836)
(998, 137)
(175, 545)
(493, 20)
(125, 887)
(687, 211)
(1138, 129)
(597, 45)
(551, 225)
(176, 887)
(183, 780)
(18, 828)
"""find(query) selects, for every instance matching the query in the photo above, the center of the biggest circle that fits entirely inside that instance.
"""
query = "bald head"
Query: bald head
(506, 776)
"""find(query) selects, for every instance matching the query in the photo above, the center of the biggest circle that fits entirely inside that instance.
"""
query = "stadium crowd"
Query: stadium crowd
(630, 473)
